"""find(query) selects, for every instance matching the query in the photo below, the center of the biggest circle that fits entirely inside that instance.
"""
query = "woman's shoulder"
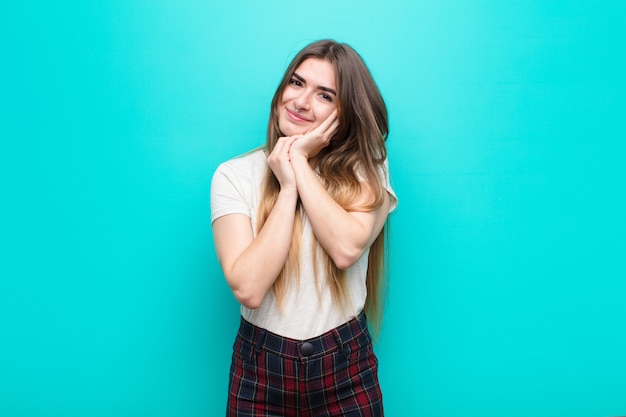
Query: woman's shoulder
(253, 160)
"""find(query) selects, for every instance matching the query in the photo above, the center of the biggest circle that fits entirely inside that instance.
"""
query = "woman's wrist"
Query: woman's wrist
(288, 191)
(298, 158)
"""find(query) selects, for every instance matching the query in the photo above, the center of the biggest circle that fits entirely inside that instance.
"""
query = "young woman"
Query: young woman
(298, 229)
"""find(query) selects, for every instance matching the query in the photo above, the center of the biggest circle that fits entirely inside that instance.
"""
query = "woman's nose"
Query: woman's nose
(303, 101)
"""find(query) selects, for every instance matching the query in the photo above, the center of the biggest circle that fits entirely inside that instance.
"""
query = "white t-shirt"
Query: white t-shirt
(236, 188)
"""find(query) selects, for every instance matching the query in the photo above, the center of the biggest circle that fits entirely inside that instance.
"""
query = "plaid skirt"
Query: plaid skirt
(335, 374)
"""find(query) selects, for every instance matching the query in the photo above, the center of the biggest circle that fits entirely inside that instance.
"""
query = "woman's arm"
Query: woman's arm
(343, 234)
(251, 265)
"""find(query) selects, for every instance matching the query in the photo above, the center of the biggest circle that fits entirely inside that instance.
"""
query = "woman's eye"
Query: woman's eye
(295, 82)
(326, 97)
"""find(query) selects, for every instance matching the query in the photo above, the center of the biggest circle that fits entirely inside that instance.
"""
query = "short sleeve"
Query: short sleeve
(386, 182)
(385, 178)
(227, 194)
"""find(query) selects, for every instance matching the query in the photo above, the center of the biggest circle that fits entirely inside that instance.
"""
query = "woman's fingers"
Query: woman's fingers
(330, 126)
(282, 145)
(318, 138)
(278, 160)
(325, 125)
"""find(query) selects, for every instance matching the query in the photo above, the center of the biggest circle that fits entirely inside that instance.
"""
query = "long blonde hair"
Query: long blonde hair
(356, 151)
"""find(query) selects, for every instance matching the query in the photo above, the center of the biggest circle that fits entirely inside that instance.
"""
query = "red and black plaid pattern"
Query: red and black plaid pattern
(335, 374)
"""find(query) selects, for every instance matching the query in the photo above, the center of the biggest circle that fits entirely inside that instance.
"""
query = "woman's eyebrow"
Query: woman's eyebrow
(327, 89)
(302, 80)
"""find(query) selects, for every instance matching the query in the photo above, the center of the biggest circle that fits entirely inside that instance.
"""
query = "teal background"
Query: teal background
(508, 274)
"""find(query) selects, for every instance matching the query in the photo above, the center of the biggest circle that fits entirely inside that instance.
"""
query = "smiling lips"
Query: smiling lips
(296, 117)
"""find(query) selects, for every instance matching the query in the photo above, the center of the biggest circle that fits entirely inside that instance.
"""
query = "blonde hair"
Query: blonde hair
(356, 152)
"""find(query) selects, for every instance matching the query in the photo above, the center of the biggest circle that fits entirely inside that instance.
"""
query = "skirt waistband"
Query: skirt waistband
(330, 341)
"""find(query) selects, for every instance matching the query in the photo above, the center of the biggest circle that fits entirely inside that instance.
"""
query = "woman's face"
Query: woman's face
(309, 97)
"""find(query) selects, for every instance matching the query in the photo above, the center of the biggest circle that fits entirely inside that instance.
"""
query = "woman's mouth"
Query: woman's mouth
(296, 117)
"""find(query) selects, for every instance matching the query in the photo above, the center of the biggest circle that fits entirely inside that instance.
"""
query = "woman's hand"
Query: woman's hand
(313, 141)
(279, 163)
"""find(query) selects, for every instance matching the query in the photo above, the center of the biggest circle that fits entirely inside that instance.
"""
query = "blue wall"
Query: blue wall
(508, 276)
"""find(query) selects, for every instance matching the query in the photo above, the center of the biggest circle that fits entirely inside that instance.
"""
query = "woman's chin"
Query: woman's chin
(290, 130)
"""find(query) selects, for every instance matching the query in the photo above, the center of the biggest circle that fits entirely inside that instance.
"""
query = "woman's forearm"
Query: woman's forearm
(252, 264)
(344, 235)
